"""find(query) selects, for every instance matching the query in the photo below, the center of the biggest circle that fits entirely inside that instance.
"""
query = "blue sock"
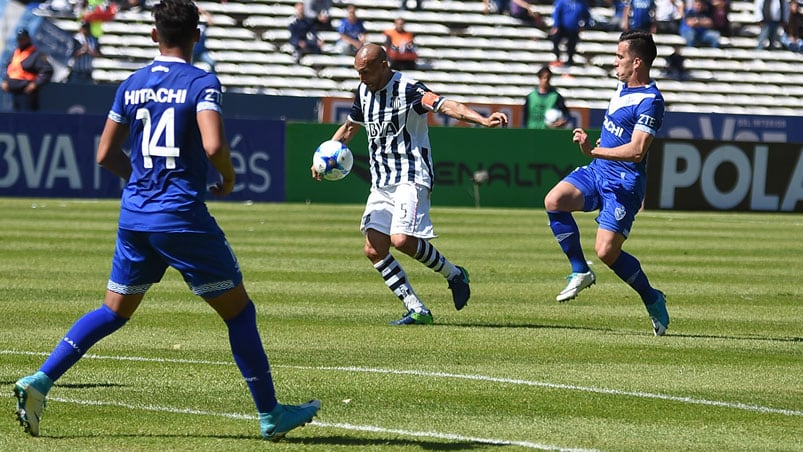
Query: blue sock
(568, 235)
(628, 268)
(246, 346)
(85, 333)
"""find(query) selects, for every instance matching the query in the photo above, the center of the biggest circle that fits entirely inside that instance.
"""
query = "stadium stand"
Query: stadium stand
(467, 55)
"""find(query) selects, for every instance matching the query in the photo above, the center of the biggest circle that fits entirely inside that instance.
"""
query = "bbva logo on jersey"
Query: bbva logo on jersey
(381, 129)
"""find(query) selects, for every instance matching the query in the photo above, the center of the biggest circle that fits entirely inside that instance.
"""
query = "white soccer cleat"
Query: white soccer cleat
(577, 282)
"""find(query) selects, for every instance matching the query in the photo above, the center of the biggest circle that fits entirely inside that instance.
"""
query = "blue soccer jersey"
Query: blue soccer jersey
(630, 109)
(167, 188)
(395, 119)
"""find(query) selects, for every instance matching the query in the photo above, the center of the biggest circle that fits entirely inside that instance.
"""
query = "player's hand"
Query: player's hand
(497, 119)
(315, 174)
(580, 137)
(222, 188)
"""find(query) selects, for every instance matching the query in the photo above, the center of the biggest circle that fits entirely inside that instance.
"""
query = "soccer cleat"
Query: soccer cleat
(659, 314)
(461, 291)
(31, 392)
(284, 418)
(577, 282)
(415, 318)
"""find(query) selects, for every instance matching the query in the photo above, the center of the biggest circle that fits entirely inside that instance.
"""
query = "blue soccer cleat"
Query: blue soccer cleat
(461, 291)
(658, 314)
(283, 418)
(415, 318)
(31, 392)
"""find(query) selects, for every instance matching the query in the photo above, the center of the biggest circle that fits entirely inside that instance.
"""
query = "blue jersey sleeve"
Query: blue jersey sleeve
(650, 115)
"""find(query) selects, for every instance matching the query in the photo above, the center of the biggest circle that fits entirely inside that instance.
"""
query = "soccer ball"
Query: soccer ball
(332, 160)
(552, 116)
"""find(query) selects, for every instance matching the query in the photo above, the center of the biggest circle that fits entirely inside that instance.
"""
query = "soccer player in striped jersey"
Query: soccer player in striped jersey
(172, 112)
(615, 180)
(393, 110)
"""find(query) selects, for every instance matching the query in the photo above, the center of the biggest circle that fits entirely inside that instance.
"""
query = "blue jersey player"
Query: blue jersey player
(172, 112)
(615, 181)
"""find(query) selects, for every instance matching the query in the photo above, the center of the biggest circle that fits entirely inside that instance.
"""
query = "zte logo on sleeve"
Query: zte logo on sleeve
(646, 120)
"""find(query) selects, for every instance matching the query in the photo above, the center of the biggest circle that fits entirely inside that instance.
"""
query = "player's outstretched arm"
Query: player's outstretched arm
(634, 151)
(346, 132)
(110, 149)
(462, 112)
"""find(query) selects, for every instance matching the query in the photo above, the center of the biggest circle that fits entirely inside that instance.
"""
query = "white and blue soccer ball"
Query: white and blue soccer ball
(552, 116)
(332, 160)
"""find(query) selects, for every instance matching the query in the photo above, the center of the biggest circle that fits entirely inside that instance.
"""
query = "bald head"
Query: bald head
(370, 53)
(371, 63)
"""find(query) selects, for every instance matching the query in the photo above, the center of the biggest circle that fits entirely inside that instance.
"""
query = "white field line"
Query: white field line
(543, 384)
(341, 426)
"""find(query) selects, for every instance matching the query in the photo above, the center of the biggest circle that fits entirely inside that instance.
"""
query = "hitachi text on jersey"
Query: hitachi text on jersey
(161, 95)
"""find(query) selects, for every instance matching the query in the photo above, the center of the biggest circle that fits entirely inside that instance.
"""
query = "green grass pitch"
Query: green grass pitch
(514, 370)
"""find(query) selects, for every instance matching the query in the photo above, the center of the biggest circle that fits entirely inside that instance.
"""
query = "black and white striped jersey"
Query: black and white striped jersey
(395, 119)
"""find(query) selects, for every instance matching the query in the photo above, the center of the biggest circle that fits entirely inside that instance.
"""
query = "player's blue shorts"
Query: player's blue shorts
(205, 260)
(617, 200)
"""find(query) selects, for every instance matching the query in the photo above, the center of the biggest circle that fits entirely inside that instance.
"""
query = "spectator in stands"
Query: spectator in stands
(58, 8)
(96, 12)
(522, 10)
(639, 15)
(697, 28)
(542, 99)
(303, 36)
(568, 18)
(794, 26)
(318, 10)
(352, 32)
(668, 14)
(496, 6)
(85, 48)
(200, 52)
(772, 15)
(720, 9)
(676, 65)
(132, 5)
(400, 47)
(418, 5)
(26, 73)
(615, 22)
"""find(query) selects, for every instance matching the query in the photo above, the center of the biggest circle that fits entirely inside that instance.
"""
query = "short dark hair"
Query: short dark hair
(641, 45)
(176, 21)
(23, 32)
(544, 70)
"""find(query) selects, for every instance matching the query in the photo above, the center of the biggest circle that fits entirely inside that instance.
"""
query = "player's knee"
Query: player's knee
(551, 202)
(403, 242)
(607, 252)
(371, 253)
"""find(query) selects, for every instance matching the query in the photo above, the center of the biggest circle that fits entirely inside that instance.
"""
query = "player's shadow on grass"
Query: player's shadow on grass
(321, 441)
(528, 326)
(366, 442)
(90, 385)
(75, 385)
(624, 332)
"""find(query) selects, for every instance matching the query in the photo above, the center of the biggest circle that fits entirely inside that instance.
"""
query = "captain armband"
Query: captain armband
(432, 101)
